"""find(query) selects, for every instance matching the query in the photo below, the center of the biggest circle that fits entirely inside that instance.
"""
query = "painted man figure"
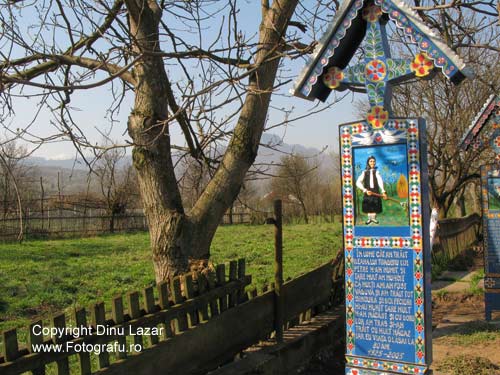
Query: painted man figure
(371, 184)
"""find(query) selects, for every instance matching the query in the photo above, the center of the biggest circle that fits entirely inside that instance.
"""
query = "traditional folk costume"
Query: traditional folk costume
(370, 180)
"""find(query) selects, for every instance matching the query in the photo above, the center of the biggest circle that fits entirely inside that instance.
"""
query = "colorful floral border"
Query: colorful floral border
(410, 127)
(486, 172)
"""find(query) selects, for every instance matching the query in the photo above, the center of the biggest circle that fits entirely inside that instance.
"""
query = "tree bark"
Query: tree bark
(176, 238)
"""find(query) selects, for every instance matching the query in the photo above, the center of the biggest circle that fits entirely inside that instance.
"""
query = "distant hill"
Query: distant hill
(74, 174)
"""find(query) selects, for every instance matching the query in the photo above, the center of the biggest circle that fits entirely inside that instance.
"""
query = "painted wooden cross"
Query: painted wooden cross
(485, 127)
(378, 72)
(387, 262)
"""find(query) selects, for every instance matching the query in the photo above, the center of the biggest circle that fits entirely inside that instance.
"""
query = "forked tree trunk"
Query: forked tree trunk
(177, 238)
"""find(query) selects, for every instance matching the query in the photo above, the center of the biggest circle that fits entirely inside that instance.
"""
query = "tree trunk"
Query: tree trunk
(304, 212)
(175, 237)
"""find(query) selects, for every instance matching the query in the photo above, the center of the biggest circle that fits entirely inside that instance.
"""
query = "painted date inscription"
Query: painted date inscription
(383, 303)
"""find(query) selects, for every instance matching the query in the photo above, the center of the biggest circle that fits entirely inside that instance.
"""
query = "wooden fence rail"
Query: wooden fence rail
(458, 234)
(190, 325)
(79, 225)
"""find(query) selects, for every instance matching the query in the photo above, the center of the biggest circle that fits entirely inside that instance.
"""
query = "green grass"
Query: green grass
(467, 365)
(393, 214)
(474, 282)
(41, 277)
(475, 333)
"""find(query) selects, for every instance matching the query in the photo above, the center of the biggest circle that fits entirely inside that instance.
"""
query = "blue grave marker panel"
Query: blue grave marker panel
(386, 248)
(384, 304)
(490, 181)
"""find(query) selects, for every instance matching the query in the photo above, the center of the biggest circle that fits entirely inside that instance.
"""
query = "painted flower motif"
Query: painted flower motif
(421, 65)
(372, 13)
(375, 70)
(497, 141)
(333, 77)
(377, 117)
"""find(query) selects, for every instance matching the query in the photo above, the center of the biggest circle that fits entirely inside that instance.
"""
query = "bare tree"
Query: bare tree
(16, 188)
(294, 179)
(15, 184)
(128, 45)
(449, 111)
(116, 181)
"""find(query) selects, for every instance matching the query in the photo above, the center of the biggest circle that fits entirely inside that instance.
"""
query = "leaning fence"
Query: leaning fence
(458, 234)
(190, 325)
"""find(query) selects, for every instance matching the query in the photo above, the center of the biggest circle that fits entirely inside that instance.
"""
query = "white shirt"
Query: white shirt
(361, 178)
(433, 225)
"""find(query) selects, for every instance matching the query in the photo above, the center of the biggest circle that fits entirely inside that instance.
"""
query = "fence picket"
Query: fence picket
(10, 347)
(35, 340)
(118, 318)
(182, 322)
(98, 314)
(202, 281)
(134, 312)
(80, 318)
(164, 302)
(214, 306)
(150, 307)
(187, 282)
(242, 296)
(59, 321)
(221, 280)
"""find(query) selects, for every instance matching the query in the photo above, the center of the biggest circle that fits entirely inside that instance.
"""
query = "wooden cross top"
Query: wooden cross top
(358, 20)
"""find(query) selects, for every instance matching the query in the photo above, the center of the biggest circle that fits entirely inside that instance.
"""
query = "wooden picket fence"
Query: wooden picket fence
(204, 320)
(179, 305)
(458, 234)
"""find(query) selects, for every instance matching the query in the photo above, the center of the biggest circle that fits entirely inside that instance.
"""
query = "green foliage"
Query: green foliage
(474, 282)
(467, 365)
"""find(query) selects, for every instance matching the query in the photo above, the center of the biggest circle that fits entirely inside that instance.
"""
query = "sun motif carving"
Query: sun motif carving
(333, 77)
(377, 117)
(422, 65)
(372, 13)
(375, 71)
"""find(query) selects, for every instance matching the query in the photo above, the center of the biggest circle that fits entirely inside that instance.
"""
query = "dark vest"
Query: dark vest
(366, 180)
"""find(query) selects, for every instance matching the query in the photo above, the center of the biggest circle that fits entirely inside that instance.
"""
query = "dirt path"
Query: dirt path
(462, 338)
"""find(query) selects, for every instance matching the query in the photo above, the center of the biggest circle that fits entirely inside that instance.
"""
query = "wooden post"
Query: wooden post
(278, 270)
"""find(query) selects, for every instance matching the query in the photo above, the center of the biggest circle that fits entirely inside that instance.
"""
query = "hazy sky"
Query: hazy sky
(319, 130)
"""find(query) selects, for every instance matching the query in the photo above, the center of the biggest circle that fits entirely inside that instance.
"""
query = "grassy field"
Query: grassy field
(41, 277)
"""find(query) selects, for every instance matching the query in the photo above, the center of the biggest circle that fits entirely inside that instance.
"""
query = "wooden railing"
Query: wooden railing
(176, 307)
(202, 321)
